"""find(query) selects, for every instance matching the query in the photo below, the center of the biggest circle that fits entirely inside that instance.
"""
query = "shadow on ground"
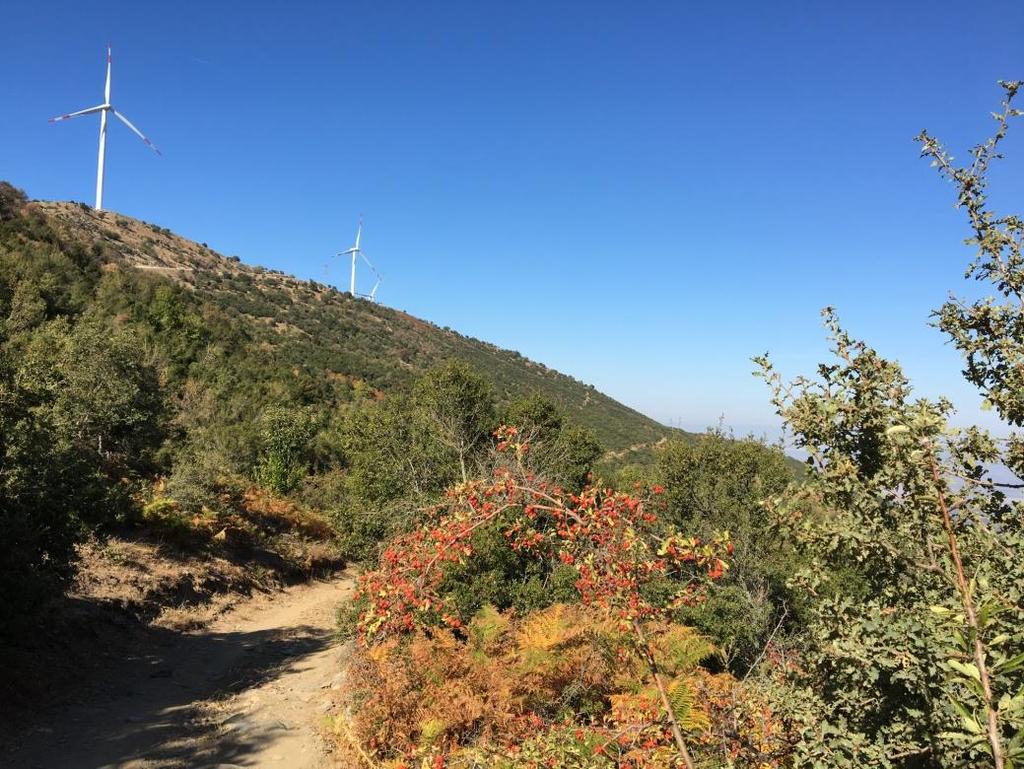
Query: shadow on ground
(134, 704)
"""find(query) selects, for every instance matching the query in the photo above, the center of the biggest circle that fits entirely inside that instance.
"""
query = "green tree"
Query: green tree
(285, 435)
(390, 455)
(79, 412)
(457, 408)
(572, 456)
(913, 655)
(535, 415)
(720, 484)
(719, 481)
(888, 676)
(12, 200)
(990, 331)
(41, 500)
(405, 451)
(27, 307)
(561, 451)
(97, 388)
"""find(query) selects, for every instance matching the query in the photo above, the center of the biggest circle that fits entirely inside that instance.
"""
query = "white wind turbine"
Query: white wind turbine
(357, 253)
(103, 109)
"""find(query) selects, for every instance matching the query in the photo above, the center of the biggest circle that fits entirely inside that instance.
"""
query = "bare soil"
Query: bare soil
(250, 688)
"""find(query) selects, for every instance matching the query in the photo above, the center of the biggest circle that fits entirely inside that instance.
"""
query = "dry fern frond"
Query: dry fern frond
(486, 628)
(680, 650)
(682, 696)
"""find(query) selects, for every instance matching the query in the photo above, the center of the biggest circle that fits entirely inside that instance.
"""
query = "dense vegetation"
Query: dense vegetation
(719, 613)
(128, 398)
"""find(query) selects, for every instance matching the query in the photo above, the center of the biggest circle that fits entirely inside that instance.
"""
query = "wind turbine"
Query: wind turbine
(103, 109)
(357, 253)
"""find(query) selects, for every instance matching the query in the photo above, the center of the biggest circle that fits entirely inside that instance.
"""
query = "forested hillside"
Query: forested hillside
(145, 379)
(320, 343)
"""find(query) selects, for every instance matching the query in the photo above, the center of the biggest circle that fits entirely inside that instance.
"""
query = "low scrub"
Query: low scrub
(564, 686)
(247, 521)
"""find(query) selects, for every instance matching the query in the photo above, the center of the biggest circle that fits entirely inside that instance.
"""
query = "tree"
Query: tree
(285, 435)
(405, 451)
(561, 451)
(40, 503)
(96, 387)
(77, 408)
(989, 332)
(914, 636)
(392, 456)
(27, 307)
(457, 407)
(720, 484)
(891, 675)
(721, 481)
(534, 416)
(12, 200)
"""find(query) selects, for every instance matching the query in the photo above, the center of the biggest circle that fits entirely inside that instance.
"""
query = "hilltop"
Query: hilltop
(348, 346)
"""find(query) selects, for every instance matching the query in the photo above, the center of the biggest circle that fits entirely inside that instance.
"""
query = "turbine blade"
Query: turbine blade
(70, 115)
(369, 263)
(106, 89)
(136, 131)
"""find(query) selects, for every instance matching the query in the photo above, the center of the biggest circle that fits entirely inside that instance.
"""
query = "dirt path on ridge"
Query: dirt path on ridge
(247, 691)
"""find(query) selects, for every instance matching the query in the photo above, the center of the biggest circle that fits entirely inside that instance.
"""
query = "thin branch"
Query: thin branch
(987, 482)
(785, 613)
(652, 665)
(967, 601)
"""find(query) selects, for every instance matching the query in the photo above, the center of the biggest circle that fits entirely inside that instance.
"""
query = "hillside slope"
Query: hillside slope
(349, 345)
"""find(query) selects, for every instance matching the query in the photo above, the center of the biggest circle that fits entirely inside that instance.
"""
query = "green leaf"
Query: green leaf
(969, 669)
(1011, 664)
(971, 724)
(962, 709)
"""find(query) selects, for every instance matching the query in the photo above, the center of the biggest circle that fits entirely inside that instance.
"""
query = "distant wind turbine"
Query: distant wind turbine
(357, 253)
(103, 109)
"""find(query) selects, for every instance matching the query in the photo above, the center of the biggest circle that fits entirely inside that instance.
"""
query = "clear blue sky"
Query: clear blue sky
(642, 195)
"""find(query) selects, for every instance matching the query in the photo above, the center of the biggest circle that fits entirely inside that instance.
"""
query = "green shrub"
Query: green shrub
(167, 517)
(362, 528)
(285, 434)
(12, 200)
(192, 487)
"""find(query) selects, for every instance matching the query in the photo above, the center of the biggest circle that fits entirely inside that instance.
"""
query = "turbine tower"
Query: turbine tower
(103, 109)
(357, 253)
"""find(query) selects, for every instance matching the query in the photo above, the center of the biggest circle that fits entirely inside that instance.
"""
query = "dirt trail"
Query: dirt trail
(247, 691)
